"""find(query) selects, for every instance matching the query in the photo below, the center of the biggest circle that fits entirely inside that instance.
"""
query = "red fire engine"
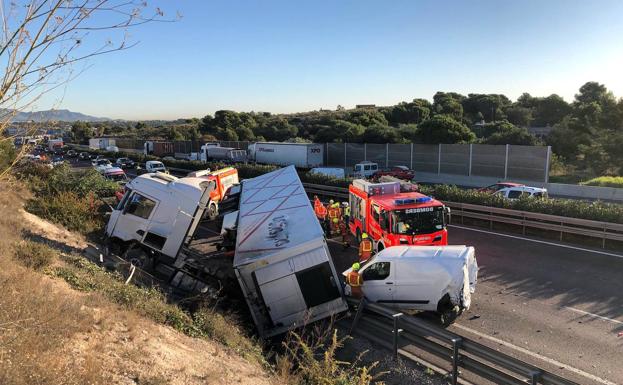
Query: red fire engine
(391, 217)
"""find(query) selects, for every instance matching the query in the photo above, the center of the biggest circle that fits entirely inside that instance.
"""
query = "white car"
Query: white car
(102, 164)
(517, 192)
(429, 278)
(155, 166)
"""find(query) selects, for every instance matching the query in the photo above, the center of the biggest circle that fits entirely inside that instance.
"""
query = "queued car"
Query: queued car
(499, 186)
(84, 156)
(517, 192)
(102, 164)
(71, 154)
(115, 174)
(57, 160)
(98, 158)
(125, 163)
(400, 172)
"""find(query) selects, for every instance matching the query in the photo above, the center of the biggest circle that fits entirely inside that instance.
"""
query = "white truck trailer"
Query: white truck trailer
(281, 257)
(101, 143)
(302, 155)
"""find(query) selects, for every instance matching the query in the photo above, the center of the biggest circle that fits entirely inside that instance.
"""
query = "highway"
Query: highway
(554, 306)
(559, 307)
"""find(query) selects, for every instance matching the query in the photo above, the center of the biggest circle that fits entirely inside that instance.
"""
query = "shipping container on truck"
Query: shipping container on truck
(101, 143)
(281, 259)
(392, 218)
(163, 149)
(302, 155)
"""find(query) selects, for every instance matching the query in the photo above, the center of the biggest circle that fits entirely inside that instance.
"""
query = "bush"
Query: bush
(68, 209)
(597, 211)
(34, 255)
(605, 181)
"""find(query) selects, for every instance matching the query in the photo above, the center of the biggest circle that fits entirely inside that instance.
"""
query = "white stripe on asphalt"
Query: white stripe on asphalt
(539, 241)
(594, 315)
(536, 355)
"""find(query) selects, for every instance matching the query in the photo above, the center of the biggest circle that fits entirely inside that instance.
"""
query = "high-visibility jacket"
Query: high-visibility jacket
(347, 211)
(321, 211)
(365, 249)
(355, 281)
(334, 212)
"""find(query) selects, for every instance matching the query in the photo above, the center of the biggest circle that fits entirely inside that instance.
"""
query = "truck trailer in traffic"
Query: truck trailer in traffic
(301, 155)
(101, 143)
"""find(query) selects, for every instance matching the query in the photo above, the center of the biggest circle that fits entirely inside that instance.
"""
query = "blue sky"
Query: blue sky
(287, 56)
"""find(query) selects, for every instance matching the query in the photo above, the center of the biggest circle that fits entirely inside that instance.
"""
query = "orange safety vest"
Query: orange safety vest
(354, 279)
(365, 249)
(321, 211)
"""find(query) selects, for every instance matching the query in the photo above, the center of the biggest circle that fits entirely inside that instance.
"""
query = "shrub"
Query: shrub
(68, 209)
(34, 255)
(605, 181)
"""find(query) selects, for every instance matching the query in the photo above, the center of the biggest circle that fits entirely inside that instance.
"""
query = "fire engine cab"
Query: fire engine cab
(392, 218)
(220, 181)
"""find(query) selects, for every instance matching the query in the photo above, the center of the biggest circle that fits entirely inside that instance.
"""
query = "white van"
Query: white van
(516, 192)
(430, 278)
(365, 169)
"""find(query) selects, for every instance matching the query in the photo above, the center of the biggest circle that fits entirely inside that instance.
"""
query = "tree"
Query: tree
(82, 131)
(381, 134)
(491, 106)
(340, 131)
(448, 103)
(549, 111)
(513, 135)
(277, 128)
(444, 129)
(405, 113)
(519, 116)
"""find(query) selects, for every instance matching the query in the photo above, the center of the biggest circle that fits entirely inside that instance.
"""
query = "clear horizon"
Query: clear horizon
(282, 57)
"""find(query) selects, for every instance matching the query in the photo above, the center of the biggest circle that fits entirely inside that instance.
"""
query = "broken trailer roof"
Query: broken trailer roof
(275, 214)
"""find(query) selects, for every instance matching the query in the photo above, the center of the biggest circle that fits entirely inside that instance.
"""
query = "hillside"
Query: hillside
(56, 115)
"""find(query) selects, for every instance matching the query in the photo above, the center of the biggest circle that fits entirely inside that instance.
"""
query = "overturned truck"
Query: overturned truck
(280, 258)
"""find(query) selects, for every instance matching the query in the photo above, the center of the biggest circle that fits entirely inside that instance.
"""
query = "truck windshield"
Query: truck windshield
(421, 220)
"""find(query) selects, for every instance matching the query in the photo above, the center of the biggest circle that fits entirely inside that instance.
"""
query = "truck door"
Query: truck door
(280, 290)
(134, 217)
(378, 283)
(373, 222)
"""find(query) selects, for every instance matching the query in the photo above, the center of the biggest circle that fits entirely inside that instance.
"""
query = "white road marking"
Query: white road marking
(536, 355)
(594, 315)
(539, 241)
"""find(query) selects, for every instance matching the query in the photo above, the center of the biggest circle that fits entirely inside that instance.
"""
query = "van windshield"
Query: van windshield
(421, 220)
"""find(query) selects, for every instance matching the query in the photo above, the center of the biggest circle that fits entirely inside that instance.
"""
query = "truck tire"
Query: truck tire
(139, 258)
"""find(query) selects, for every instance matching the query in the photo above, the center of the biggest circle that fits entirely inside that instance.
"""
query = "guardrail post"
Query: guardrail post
(365, 151)
(535, 376)
(397, 331)
(456, 344)
(603, 240)
(362, 305)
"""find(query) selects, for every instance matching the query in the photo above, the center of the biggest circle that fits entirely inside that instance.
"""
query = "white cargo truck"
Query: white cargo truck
(302, 155)
(101, 143)
(281, 259)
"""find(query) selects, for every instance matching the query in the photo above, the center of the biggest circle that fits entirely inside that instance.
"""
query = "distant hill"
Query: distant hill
(59, 115)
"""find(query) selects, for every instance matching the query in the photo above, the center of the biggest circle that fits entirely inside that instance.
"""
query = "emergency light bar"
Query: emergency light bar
(410, 201)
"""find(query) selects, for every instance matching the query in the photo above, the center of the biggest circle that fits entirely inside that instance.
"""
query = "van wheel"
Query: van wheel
(212, 212)
(448, 316)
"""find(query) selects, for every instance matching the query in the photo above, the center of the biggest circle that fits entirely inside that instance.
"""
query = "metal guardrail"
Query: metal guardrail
(457, 350)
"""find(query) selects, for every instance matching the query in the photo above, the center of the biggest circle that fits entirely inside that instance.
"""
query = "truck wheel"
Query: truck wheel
(212, 212)
(139, 258)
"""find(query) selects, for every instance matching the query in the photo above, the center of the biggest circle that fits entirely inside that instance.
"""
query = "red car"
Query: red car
(498, 186)
(400, 172)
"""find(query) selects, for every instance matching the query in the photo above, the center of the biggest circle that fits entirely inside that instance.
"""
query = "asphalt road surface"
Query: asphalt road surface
(558, 307)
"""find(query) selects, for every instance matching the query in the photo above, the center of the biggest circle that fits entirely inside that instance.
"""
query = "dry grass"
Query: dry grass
(34, 322)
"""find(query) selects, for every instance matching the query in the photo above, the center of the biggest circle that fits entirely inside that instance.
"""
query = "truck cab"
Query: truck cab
(365, 169)
(393, 218)
(158, 213)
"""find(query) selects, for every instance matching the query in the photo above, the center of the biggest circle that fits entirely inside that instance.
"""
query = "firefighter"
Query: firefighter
(346, 212)
(335, 226)
(354, 280)
(344, 232)
(334, 214)
(319, 209)
(365, 248)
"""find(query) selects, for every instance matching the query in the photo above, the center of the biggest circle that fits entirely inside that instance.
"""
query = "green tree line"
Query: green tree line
(586, 134)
